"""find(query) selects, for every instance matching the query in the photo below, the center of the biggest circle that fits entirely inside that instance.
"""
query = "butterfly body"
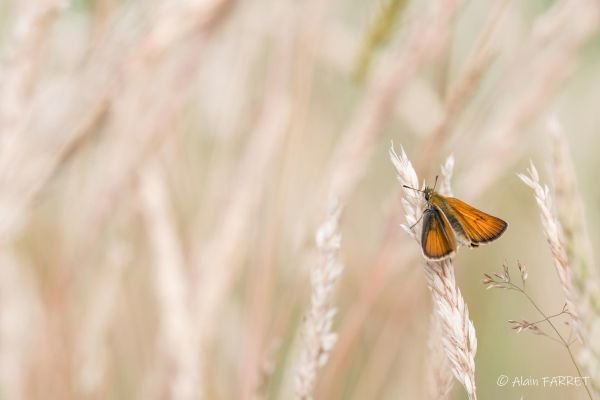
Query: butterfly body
(447, 219)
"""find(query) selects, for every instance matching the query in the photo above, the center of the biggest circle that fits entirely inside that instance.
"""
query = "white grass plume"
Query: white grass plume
(316, 336)
(553, 232)
(570, 216)
(438, 371)
(458, 333)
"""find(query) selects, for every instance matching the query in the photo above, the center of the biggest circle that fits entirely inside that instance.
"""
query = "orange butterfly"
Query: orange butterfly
(445, 218)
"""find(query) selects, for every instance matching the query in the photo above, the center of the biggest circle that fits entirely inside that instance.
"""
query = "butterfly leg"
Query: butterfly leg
(419, 220)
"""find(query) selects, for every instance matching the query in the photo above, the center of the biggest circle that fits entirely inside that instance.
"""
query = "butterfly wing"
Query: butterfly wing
(477, 226)
(437, 238)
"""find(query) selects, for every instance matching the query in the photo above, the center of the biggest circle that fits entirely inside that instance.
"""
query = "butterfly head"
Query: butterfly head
(428, 192)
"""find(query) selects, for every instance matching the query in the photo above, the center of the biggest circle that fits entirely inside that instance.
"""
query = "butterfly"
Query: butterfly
(447, 219)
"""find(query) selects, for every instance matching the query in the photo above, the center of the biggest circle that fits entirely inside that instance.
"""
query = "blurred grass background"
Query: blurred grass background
(164, 165)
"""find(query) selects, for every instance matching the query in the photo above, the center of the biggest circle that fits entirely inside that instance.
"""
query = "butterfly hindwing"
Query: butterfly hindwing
(437, 238)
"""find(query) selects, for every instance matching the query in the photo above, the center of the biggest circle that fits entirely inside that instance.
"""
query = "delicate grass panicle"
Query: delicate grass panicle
(457, 330)
(503, 280)
(316, 335)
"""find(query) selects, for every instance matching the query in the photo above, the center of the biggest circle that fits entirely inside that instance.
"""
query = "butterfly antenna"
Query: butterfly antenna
(408, 187)
(435, 183)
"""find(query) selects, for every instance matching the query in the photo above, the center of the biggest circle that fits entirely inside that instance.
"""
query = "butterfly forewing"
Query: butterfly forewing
(477, 226)
(437, 239)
